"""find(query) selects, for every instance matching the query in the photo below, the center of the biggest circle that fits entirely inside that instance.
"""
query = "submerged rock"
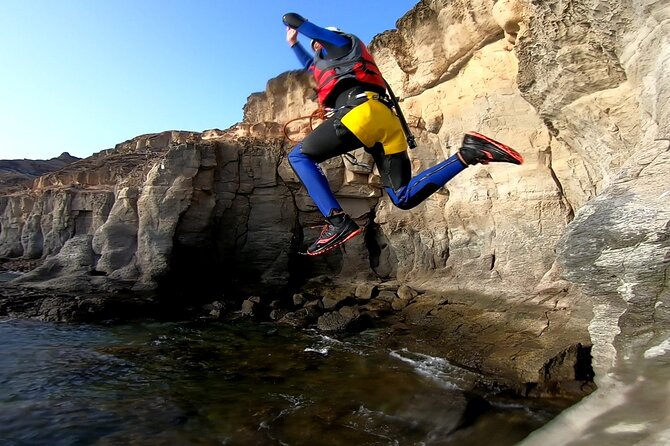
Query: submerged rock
(345, 319)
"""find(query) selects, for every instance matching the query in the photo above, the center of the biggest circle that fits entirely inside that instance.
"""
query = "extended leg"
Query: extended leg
(326, 141)
(314, 180)
(403, 190)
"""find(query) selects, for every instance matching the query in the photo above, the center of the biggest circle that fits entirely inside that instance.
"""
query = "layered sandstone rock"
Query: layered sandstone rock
(19, 174)
(527, 264)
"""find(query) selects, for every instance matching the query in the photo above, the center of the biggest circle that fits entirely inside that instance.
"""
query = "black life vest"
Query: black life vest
(356, 64)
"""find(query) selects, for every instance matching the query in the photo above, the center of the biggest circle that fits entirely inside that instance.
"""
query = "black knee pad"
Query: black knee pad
(395, 169)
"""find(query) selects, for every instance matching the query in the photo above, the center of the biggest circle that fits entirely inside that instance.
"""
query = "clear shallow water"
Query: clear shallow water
(235, 384)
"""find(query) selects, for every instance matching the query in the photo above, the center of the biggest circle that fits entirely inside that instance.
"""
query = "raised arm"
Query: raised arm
(332, 41)
(303, 56)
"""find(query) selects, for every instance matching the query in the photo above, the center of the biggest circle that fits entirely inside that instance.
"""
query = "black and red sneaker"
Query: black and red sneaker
(333, 235)
(478, 148)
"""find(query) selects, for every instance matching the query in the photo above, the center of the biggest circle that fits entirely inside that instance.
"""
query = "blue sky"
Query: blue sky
(83, 75)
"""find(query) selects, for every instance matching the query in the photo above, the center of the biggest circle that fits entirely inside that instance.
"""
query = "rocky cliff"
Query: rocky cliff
(527, 266)
(19, 174)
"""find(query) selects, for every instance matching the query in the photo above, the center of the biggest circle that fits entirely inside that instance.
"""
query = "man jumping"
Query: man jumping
(350, 83)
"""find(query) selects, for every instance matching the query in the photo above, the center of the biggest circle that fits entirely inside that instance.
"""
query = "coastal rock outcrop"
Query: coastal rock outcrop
(20, 173)
(539, 268)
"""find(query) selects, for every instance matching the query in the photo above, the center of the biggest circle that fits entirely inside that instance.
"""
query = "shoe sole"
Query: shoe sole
(330, 248)
(504, 148)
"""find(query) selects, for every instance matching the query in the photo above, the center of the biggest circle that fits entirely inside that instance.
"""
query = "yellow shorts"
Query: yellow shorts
(374, 122)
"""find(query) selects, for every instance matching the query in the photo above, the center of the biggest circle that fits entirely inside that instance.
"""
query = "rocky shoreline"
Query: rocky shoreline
(458, 326)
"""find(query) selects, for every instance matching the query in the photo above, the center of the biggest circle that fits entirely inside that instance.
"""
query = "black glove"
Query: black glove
(293, 20)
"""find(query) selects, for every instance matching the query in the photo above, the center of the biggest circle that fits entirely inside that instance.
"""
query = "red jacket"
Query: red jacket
(357, 64)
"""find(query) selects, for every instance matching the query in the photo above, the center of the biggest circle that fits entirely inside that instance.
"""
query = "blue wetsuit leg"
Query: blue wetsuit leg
(426, 183)
(314, 180)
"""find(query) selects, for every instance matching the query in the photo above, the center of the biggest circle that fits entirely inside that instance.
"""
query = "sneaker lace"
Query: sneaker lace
(325, 229)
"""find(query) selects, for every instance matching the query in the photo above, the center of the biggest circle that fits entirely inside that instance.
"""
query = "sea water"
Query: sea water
(238, 383)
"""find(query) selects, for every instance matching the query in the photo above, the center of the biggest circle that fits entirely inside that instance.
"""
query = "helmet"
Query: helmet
(334, 29)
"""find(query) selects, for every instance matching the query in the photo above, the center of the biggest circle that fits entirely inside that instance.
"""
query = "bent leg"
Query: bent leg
(425, 184)
(404, 191)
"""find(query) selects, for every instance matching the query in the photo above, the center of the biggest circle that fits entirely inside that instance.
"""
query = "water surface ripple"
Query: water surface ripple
(237, 384)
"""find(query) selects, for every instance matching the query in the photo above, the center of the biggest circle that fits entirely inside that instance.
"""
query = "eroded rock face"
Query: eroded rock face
(612, 118)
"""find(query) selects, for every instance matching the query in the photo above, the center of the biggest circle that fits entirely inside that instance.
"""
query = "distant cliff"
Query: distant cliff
(517, 266)
(21, 172)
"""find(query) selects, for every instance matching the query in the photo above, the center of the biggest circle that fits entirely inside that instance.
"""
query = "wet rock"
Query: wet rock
(314, 306)
(299, 300)
(334, 299)
(399, 304)
(365, 291)
(346, 319)
(387, 296)
(329, 304)
(277, 314)
(248, 307)
(565, 373)
(391, 285)
(407, 293)
(6, 276)
(214, 309)
(299, 319)
(400, 327)
(18, 302)
(474, 409)
(332, 322)
(378, 307)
